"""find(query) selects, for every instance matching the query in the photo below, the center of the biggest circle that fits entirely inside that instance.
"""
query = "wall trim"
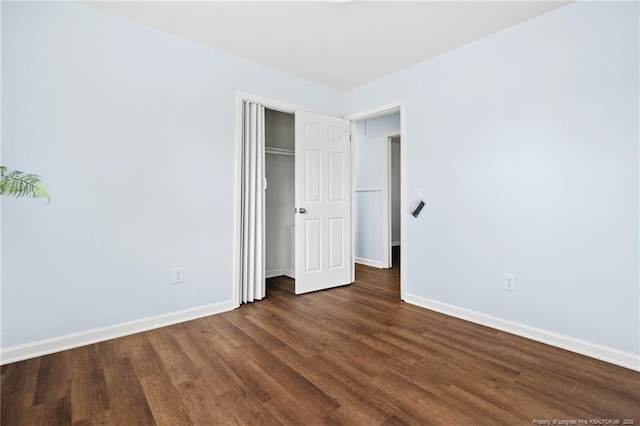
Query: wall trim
(387, 208)
(88, 337)
(280, 272)
(582, 347)
(389, 108)
(369, 262)
(274, 273)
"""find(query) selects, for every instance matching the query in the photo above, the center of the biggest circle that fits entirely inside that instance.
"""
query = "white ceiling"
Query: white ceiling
(339, 45)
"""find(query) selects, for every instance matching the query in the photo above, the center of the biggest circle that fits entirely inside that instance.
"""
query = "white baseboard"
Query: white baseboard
(395, 243)
(583, 347)
(280, 272)
(70, 341)
(369, 262)
(274, 273)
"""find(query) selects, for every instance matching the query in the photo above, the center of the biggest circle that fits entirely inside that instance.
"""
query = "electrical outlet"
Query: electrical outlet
(178, 275)
(510, 282)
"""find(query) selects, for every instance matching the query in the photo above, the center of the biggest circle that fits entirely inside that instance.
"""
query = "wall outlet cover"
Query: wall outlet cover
(510, 282)
(178, 275)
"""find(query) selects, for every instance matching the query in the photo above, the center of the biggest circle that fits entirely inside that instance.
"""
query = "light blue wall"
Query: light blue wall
(525, 144)
(134, 131)
(369, 157)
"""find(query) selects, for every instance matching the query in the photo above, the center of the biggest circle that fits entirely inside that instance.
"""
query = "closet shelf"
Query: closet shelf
(279, 151)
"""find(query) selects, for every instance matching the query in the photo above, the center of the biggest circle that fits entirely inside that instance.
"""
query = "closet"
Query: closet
(280, 194)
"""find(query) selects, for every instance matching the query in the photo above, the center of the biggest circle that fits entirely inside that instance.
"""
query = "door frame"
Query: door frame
(276, 105)
(385, 109)
(241, 98)
(387, 216)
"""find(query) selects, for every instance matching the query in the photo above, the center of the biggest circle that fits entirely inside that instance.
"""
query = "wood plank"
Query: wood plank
(355, 406)
(165, 401)
(54, 378)
(52, 412)
(18, 389)
(126, 397)
(88, 386)
(172, 356)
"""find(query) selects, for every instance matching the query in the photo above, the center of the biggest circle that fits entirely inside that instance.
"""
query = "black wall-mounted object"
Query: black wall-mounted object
(416, 207)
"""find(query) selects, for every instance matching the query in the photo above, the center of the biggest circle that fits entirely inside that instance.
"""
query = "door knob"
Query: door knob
(302, 210)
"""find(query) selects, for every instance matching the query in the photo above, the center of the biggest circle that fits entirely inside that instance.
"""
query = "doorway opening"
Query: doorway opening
(250, 233)
(279, 194)
(379, 194)
(293, 203)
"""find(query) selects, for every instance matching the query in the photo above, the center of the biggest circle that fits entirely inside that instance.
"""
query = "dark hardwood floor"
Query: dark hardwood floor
(354, 355)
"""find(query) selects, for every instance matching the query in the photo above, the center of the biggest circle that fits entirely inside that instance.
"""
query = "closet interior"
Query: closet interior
(280, 194)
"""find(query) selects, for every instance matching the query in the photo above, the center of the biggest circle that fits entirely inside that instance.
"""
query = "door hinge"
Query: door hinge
(349, 137)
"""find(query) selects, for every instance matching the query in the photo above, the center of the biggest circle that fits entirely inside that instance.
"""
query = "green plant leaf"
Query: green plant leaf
(15, 183)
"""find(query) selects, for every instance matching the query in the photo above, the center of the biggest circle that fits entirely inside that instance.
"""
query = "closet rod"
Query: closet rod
(279, 151)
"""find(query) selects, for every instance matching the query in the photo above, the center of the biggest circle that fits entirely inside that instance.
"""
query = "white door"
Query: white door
(323, 202)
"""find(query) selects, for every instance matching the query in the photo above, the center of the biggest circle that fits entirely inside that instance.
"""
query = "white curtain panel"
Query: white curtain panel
(253, 204)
